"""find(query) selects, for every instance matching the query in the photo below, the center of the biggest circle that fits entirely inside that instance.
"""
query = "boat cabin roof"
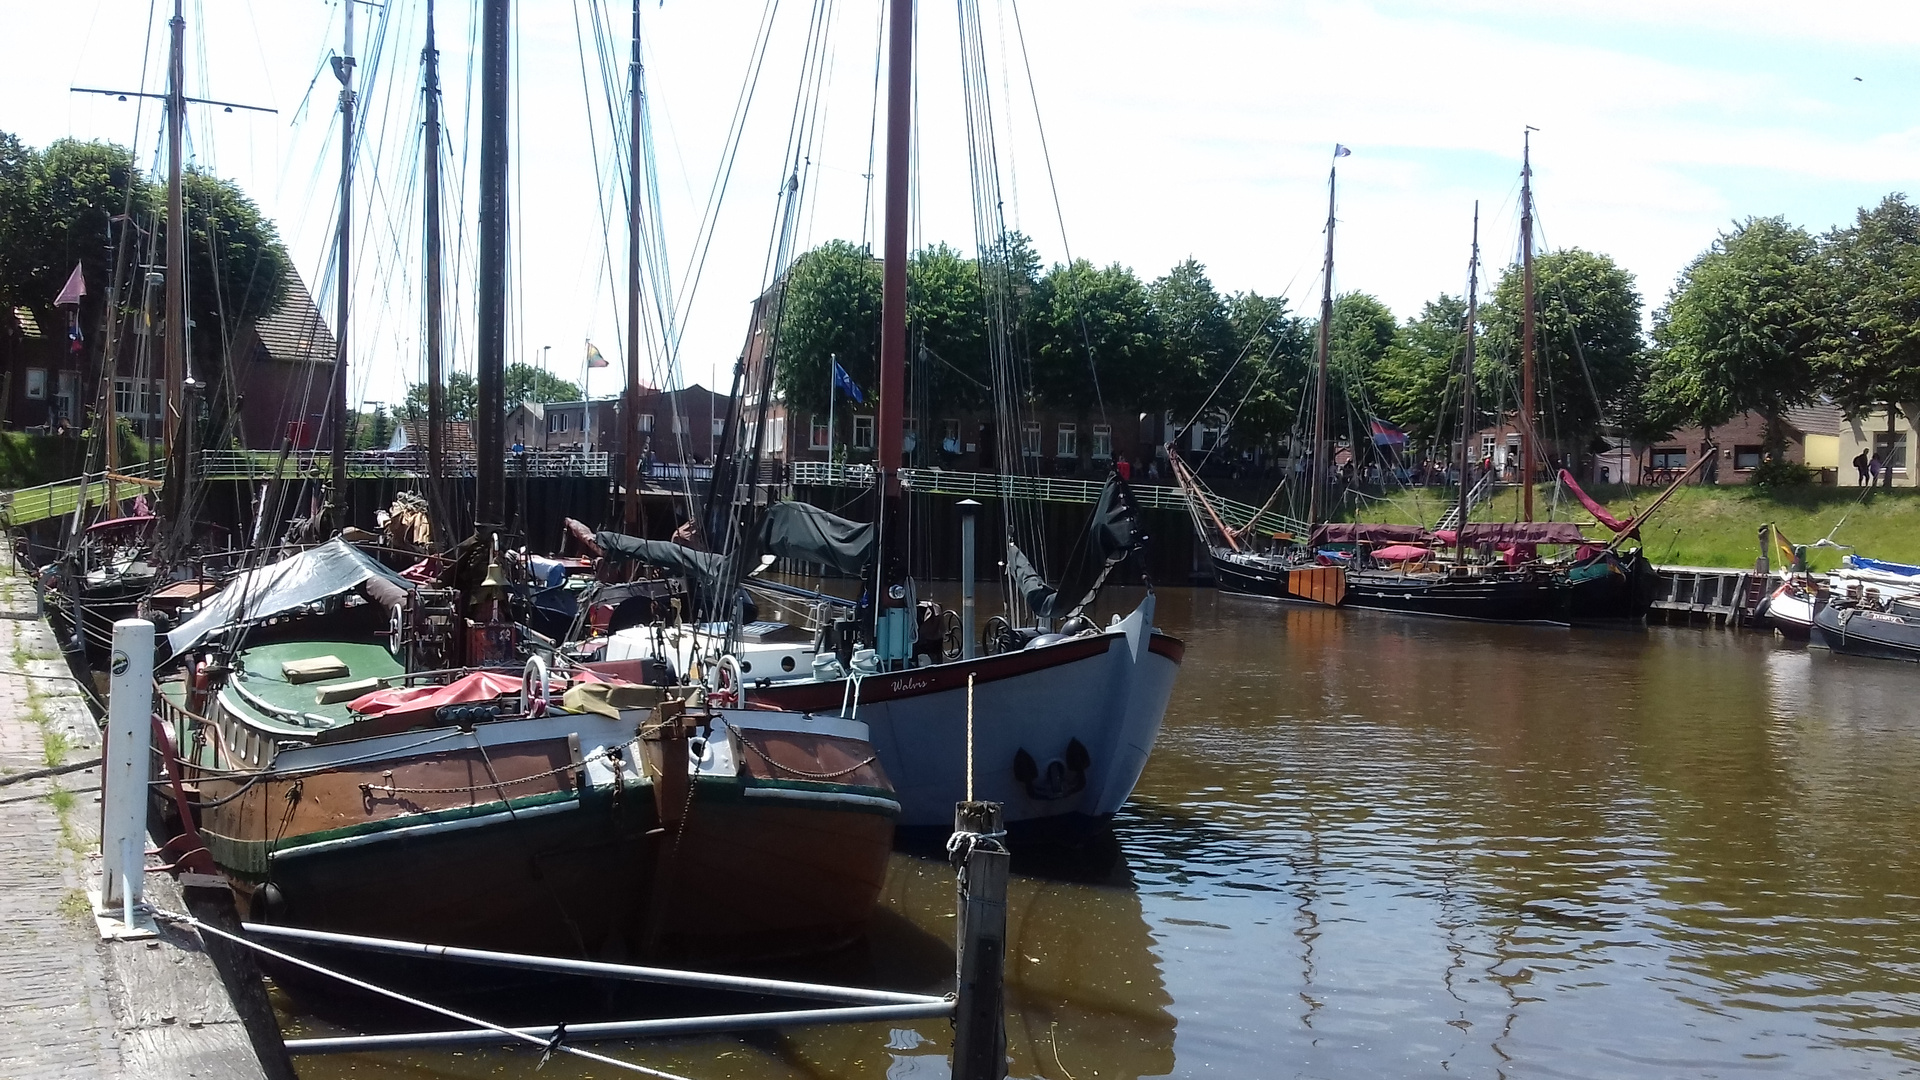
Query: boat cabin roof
(260, 692)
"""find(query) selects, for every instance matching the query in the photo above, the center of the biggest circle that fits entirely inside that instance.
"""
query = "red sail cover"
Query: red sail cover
(1599, 512)
(1356, 532)
(1521, 532)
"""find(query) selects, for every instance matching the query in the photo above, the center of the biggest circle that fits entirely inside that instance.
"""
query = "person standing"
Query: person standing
(1864, 476)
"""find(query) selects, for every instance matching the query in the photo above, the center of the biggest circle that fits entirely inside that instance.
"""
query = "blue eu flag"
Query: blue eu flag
(843, 382)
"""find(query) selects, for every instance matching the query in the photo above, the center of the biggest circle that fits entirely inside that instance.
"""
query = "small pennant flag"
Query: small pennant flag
(844, 383)
(75, 289)
(1340, 151)
(594, 359)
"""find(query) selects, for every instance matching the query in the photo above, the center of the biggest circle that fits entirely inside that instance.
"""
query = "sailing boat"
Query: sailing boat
(1057, 730)
(348, 779)
(1409, 569)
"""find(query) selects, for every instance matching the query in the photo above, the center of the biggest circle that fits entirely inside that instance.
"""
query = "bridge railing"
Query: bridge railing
(1035, 488)
(24, 506)
(411, 462)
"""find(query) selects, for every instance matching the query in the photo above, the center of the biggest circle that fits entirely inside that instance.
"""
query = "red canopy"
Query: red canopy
(479, 686)
(1401, 553)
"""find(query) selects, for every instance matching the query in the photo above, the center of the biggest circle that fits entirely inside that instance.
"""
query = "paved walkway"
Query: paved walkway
(70, 1005)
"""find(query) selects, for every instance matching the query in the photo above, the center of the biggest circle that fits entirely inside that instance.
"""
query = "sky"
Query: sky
(1197, 130)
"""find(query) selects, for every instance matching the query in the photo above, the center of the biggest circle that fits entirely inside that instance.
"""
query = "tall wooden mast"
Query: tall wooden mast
(630, 448)
(490, 508)
(174, 420)
(436, 380)
(1466, 394)
(1526, 325)
(893, 302)
(337, 410)
(1321, 454)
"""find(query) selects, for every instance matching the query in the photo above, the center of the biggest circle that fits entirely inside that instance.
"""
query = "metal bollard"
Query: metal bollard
(969, 510)
(123, 824)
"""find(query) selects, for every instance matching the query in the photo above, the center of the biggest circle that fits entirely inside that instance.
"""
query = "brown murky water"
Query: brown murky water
(1374, 846)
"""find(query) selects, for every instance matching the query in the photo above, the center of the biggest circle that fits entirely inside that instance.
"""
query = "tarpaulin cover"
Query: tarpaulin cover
(1113, 532)
(794, 530)
(1373, 532)
(704, 566)
(1599, 512)
(477, 687)
(1521, 532)
(1861, 562)
(316, 574)
(1401, 553)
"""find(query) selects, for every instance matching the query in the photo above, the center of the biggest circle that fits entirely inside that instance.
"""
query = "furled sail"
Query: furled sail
(1113, 533)
(795, 530)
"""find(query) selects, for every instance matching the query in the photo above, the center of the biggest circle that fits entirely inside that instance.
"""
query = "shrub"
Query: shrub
(1776, 473)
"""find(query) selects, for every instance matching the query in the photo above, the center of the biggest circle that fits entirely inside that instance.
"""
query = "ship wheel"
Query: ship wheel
(951, 636)
(997, 637)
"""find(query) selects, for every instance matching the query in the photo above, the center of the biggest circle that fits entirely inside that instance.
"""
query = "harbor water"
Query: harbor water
(1370, 845)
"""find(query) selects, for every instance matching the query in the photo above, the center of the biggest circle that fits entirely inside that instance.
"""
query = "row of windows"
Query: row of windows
(1066, 438)
(1889, 449)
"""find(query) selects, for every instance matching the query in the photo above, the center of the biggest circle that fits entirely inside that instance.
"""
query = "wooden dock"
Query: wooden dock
(1713, 595)
(74, 1005)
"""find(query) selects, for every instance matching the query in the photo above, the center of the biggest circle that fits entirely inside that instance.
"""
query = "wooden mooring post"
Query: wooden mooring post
(979, 1026)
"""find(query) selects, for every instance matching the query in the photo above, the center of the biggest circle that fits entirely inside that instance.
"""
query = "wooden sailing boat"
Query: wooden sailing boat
(1060, 726)
(1404, 568)
(339, 786)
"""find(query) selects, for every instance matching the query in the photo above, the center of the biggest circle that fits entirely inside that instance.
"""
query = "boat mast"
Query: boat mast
(1320, 455)
(490, 506)
(173, 423)
(436, 390)
(1526, 325)
(630, 429)
(1466, 406)
(343, 244)
(893, 303)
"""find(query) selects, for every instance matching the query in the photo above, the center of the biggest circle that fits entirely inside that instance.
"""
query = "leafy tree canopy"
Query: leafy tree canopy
(1869, 353)
(1587, 342)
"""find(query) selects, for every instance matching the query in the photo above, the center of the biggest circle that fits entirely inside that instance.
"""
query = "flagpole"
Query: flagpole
(586, 399)
(833, 364)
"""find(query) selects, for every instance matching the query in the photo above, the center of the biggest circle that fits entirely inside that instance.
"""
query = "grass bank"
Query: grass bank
(1708, 526)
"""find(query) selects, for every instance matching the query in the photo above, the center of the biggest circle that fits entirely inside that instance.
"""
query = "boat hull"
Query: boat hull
(1059, 731)
(1790, 611)
(1863, 632)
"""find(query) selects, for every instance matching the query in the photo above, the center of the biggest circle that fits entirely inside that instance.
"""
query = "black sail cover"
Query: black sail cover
(1113, 533)
(704, 567)
(795, 530)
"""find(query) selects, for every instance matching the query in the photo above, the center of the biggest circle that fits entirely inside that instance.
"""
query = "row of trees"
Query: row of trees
(1767, 318)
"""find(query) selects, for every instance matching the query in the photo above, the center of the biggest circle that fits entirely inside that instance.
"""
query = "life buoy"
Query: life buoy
(534, 687)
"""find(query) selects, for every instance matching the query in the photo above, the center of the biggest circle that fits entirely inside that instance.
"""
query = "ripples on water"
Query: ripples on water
(1377, 846)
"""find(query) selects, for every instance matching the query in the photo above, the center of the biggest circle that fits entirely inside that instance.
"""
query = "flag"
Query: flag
(843, 382)
(75, 289)
(1340, 151)
(1385, 434)
(594, 359)
(1786, 546)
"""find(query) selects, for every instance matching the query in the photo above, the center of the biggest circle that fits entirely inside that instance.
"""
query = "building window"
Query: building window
(679, 424)
(1746, 458)
(1102, 442)
(37, 383)
(817, 434)
(556, 422)
(1030, 438)
(1670, 457)
(777, 435)
(69, 393)
(863, 432)
(1891, 450)
(1486, 447)
(646, 422)
(950, 436)
(1066, 441)
(719, 430)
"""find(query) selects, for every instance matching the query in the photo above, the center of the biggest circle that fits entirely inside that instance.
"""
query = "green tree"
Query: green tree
(1417, 381)
(830, 308)
(462, 398)
(524, 382)
(1276, 350)
(1093, 338)
(1196, 343)
(946, 317)
(1869, 351)
(1740, 329)
(1587, 343)
(1363, 330)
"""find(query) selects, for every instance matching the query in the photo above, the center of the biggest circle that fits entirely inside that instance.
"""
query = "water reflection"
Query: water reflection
(1376, 846)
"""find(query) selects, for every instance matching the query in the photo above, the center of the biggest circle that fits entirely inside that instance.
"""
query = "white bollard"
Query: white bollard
(123, 822)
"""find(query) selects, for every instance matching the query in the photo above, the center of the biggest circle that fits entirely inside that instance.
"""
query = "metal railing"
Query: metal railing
(411, 462)
(1475, 496)
(24, 506)
(1035, 488)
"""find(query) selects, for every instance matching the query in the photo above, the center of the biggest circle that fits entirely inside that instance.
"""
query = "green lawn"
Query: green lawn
(1709, 526)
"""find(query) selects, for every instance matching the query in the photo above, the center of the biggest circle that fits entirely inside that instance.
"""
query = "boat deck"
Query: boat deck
(260, 691)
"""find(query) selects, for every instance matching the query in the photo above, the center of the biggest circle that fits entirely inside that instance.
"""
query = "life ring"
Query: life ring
(534, 687)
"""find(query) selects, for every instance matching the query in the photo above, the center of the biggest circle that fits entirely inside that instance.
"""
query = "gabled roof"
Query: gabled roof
(456, 436)
(1820, 418)
(296, 333)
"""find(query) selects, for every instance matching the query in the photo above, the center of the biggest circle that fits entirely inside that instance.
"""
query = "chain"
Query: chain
(388, 788)
(762, 755)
